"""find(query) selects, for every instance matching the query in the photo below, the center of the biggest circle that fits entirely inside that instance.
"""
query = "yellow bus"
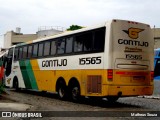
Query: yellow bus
(109, 60)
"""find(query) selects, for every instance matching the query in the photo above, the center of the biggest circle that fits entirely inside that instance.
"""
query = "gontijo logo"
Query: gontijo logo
(133, 32)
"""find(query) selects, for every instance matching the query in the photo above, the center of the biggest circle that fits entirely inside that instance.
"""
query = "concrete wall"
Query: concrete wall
(7, 39)
(11, 38)
(156, 33)
(23, 38)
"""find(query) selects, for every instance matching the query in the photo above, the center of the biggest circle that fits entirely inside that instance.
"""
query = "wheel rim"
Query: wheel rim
(61, 92)
(75, 93)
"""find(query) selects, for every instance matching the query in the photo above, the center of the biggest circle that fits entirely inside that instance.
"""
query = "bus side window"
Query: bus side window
(53, 47)
(158, 53)
(61, 46)
(47, 48)
(24, 52)
(78, 43)
(99, 40)
(10, 53)
(29, 54)
(35, 50)
(40, 50)
(87, 41)
(20, 53)
(16, 54)
(69, 44)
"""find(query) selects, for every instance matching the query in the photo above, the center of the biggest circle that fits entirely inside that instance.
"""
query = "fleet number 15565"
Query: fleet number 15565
(90, 60)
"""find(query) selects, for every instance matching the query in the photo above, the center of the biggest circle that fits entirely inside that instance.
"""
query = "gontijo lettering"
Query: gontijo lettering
(54, 63)
(133, 42)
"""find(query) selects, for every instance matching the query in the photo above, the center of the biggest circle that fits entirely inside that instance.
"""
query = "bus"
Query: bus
(3, 55)
(109, 60)
(157, 64)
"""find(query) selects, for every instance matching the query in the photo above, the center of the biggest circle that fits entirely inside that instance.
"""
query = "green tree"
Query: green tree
(74, 27)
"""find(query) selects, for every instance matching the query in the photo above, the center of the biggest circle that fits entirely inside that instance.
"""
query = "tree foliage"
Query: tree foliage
(74, 27)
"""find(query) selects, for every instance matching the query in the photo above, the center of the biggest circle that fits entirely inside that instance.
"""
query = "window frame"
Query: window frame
(31, 55)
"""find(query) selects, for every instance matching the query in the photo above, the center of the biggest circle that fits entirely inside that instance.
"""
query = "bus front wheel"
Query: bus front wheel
(15, 84)
(62, 92)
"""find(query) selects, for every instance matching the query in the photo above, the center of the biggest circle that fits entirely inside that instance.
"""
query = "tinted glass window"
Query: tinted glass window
(158, 53)
(61, 46)
(40, 50)
(78, 44)
(35, 50)
(87, 41)
(20, 53)
(16, 54)
(46, 48)
(53, 48)
(24, 52)
(99, 39)
(10, 53)
(29, 51)
(69, 44)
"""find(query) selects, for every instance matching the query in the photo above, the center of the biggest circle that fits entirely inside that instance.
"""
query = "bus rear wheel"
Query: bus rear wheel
(75, 93)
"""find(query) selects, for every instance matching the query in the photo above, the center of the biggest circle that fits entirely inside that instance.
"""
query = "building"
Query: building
(13, 38)
(156, 34)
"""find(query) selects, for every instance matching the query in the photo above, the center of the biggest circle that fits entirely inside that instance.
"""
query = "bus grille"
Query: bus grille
(94, 84)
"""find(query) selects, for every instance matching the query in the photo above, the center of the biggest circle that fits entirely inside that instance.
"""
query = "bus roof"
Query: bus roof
(65, 33)
(78, 31)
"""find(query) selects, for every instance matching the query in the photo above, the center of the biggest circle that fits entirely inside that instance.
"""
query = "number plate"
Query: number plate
(138, 77)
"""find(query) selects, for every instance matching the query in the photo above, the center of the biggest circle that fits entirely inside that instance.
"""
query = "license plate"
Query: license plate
(139, 78)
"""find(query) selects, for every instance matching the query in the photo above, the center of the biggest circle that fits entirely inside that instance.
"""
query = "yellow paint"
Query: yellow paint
(127, 84)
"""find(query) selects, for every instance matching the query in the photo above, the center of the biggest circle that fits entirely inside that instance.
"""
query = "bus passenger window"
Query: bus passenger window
(10, 53)
(29, 51)
(46, 48)
(99, 38)
(40, 50)
(20, 53)
(87, 41)
(69, 44)
(61, 46)
(24, 52)
(53, 48)
(16, 54)
(35, 50)
(78, 44)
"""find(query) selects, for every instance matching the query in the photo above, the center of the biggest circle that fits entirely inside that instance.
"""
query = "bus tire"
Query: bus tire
(15, 84)
(74, 90)
(61, 89)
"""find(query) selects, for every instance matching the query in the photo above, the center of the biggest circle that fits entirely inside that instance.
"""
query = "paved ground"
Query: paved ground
(37, 101)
